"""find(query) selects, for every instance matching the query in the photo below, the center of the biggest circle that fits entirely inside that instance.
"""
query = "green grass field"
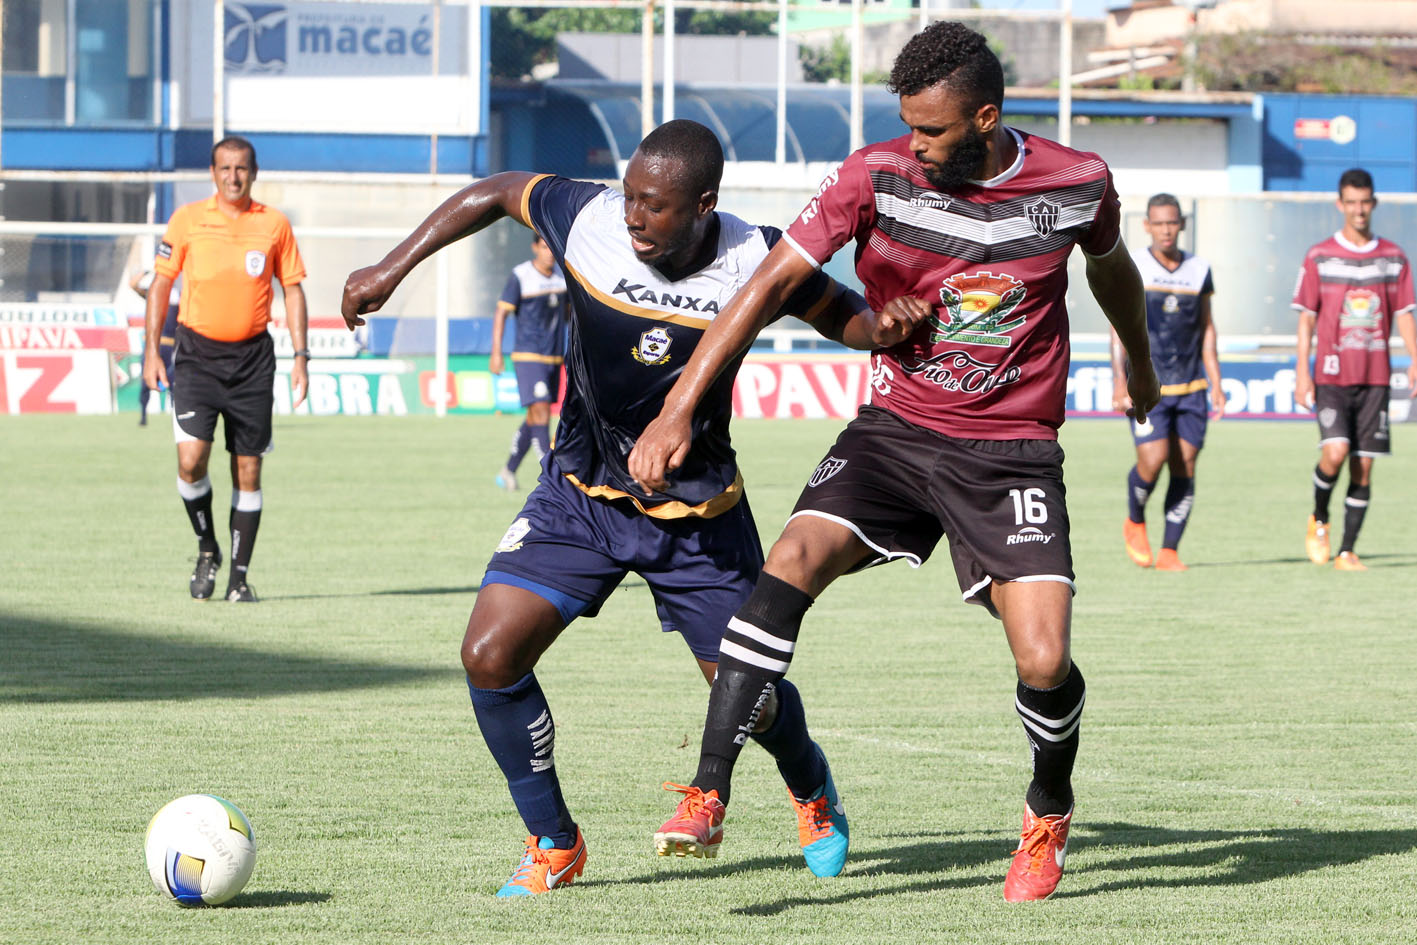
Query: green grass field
(1246, 774)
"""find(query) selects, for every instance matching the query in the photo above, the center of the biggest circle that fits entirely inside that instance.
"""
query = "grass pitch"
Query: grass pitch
(1245, 775)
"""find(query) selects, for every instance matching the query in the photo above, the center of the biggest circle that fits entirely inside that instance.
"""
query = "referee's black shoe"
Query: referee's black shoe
(204, 574)
(241, 594)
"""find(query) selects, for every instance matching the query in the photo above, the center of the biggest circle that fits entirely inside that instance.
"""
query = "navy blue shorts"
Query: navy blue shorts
(1182, 414)
(574, 550)
(537, 381)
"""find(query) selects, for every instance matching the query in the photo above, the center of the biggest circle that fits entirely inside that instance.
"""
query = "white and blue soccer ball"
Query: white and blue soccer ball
(200, 850)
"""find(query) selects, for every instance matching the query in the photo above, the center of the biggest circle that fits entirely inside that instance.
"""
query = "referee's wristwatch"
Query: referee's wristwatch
(302, 353)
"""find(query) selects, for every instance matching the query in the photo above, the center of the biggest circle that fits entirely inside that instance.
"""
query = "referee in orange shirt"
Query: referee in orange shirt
(228, 248)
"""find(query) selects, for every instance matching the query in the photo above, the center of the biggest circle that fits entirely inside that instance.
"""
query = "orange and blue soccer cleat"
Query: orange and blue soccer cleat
(1134, 535)
(544, 867)
(821, 827)
(1316, 542)
(1168, 561)
(1038, 861)
(1348, 561)
(696, 829)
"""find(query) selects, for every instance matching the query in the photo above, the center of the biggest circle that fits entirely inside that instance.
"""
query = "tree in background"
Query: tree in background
(524, 38)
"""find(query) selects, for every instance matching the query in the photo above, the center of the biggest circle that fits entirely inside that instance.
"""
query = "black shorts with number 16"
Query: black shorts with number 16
(899, 487)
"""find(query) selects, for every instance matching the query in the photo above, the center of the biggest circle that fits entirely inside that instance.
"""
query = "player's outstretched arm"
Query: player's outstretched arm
(664, 443)
(467, 211)
(1117, 286)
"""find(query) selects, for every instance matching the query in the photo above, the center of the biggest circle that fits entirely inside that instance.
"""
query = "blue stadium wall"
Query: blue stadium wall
(1309, 140)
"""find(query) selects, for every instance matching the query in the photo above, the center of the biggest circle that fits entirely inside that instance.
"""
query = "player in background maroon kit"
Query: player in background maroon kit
(1352, 288)
(963, 228)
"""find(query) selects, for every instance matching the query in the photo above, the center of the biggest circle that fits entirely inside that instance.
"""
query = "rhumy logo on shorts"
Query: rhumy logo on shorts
(977, 309)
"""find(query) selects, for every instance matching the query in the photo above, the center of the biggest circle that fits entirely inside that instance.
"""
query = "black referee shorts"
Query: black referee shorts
(899, 487)
(231, 379)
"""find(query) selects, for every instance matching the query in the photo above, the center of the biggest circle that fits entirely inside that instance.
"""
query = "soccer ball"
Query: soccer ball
(200, 850)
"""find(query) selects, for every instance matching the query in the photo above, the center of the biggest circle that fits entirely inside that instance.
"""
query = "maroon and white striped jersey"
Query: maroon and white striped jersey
(1355, 291)
(991, 257)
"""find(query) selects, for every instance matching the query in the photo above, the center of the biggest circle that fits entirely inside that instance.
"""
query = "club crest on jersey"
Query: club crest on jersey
(1043, 217)
(977, 309)
(512, 540)
(255, 262)
(653, 347)
(825, 470)
(1361, 309)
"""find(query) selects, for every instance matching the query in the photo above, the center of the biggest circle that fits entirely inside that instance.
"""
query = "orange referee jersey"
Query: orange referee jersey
(228, 266)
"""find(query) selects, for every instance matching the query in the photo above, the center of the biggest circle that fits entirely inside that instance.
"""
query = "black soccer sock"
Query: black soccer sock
(1180, 496)
(786, 739)
(1323, 491)
(1355, 506)
(1138, 491)
(245, 520)
(1051, 718)
(755, 653)
(521, 441)
(197, 498)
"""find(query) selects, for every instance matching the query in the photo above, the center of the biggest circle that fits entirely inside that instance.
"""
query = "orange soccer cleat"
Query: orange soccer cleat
(544, 867)
(1168, 561)
(1316, 542)
(1038, 861)
(1134, 534)
(1348, 561)
(696, 829)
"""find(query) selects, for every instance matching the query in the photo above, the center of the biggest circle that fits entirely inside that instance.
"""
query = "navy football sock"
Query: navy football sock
(540, 441)
(1138, 491)
(1051, 718)
(521, 441)
(788, 742)
(517, 726)
(1180, 497)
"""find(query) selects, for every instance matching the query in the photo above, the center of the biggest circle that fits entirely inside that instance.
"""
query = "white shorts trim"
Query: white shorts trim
(1332, 439)
(883, 555)
(1369, 454)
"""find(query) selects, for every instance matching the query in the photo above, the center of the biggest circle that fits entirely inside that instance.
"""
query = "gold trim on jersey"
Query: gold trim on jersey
(719, 504)
(687, 321)
(526, 201)
(508, 306)
(1190, 387)
(538, 358)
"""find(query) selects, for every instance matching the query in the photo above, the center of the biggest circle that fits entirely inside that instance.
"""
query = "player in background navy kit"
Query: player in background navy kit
(1183, 350)
(968, 225)
(536, 294)
(648, 271)
(1352, 289)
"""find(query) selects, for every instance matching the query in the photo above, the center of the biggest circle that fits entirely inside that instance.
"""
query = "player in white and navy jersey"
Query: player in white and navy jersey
(967, 225)
(648, 272)
(1353, 288)
(535, 294)
(1183, 350)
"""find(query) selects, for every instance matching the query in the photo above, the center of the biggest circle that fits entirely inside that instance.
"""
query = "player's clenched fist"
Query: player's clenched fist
(898, 319)
(365, 291)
